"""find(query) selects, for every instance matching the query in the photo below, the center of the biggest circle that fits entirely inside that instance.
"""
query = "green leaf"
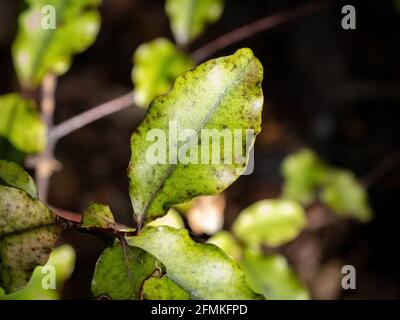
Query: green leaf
(21, 253)
(172, 219)
(27, 234)
(273, 277)
(203, 270)
(303, 172)
(38, 50)
(190, 17)
(21, 124)
(222, 94)
(345, 196)
(19, 212)
(121, 271)
(15, 176)
(97, 215)
(163, 289)
(227, 242)
(270, 222)
(156, 65)
(62, 259)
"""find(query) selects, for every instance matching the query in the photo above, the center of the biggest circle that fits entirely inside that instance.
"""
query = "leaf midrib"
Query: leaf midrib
(171, 167)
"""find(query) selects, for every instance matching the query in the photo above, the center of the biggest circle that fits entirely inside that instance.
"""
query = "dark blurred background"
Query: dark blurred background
(336, 91)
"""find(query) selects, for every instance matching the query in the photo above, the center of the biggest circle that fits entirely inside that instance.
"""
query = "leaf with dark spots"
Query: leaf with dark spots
(163, 289)
(218, 94)
(21, 253)
(98, 216)
(27, 234)
(121, 271)
(203, 270)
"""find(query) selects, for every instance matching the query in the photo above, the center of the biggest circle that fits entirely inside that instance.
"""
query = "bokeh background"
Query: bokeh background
(333, 90)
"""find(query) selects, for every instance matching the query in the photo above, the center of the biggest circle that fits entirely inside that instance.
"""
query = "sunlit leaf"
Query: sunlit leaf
(303, 172)
(345, 196)
(171, 219)
(27, 234)
(15, 176)
(203, 270)
(222, 94)
(156, 65)
(121, 271)
(20, 123)
(62, 259)
(273, 277)
(40, 49)
(188, 18)
(163, 289)
(227, 242)
(270, 222)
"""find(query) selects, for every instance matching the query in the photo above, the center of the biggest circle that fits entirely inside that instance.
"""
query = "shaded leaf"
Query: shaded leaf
(38, 50)
(21, 253)
(21, 124)
(156, 65)
(270, 222)
(62, 259)
(222, 94)
(203, 270)
(15, 176)
(188, 18)
(345, 196)
(227, 242)
(98, 216)
(120, 272)
(27, 234)
(273, 277)
(163, 289)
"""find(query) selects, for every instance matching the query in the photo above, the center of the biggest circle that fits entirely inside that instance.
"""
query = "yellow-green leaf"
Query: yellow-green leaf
(345, 196)
(163, 289)
(303, 172)
(156, 66)
(227, 242)
(273, 277)
(218, 99)
(40, 49)
(270, 222)
(203, 270)
(21, 124)
(172, 219)
(15, 176)
(188, 18)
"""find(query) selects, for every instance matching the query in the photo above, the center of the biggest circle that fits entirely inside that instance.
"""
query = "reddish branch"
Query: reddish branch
(255, 27)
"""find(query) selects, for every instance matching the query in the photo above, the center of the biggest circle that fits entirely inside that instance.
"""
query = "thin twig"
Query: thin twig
(91, 115)
(45, 164)
(381, 169)
(255, 27)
